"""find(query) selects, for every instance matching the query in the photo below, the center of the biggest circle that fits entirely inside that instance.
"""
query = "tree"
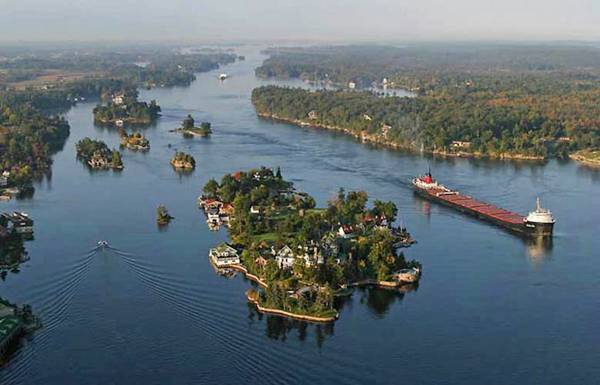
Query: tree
(188, 122)
(116, 159)
(211, 189)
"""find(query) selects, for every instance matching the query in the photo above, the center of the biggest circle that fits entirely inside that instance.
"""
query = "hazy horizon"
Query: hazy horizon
(312, 20)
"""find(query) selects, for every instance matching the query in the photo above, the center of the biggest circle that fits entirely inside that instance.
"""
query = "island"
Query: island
(302, 256)
(189, 129)
(97, 155)
(183, 161)
(162, 216)
(136, 141)
(124, 108)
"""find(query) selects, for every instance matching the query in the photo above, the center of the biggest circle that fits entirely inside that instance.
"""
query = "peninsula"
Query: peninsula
(301, 255)
(497, 101)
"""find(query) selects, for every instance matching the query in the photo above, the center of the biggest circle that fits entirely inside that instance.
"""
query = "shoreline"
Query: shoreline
(303, 317)
(580, 157)
(287, 314)
(377, 140)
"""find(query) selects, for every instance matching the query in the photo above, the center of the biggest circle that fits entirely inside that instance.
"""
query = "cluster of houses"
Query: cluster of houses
(217, 213)
(99, 161)
(118, 98)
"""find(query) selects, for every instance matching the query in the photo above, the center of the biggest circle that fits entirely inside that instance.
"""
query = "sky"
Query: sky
(280, 20)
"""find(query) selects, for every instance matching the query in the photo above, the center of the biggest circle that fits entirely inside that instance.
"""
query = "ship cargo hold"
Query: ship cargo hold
(539, 222)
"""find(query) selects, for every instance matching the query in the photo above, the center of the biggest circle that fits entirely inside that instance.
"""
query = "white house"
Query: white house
(224, 255)
(285, 258)
(213, 216)
(351, 85)
(118, 99)
(254, 210)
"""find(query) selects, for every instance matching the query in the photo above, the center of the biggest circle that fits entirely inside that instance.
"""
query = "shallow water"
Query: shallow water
(491, 308)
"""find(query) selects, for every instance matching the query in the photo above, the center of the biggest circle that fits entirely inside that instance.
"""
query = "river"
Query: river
(490, 308)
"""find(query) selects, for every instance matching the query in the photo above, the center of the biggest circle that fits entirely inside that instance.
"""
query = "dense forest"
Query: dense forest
(534, 101)
(28, 136)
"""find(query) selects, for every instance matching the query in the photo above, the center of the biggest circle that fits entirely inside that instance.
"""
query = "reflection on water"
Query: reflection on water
(281, 328)
(539, 248)
(377, 300)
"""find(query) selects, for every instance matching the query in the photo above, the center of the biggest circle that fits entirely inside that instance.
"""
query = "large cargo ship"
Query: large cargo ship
(539, 222)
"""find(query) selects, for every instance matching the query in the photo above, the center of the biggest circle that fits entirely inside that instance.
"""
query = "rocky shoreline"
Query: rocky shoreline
(583, 157)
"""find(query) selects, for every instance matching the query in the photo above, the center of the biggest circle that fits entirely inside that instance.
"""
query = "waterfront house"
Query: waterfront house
(408, 275)
(285, 258)
(312, 115)
(213, 216)
(210, 203)
(118, 98)
(17, 221)
(351, 85)
(224, 255)
(98, 160)
(460, 144)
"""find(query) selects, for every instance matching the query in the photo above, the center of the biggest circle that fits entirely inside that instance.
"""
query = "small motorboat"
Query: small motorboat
(102, 244)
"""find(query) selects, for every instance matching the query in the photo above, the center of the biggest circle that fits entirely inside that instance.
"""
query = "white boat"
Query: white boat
(223, 76)
(102, 243)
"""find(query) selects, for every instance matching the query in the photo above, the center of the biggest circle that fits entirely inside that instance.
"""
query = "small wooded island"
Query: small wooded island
(162, 216)
(183, 161)
(97, 155)
(188, 128)
(302, 256)
(124, 108)
(136, 141)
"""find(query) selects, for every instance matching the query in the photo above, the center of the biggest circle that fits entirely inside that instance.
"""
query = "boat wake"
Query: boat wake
(51, 299)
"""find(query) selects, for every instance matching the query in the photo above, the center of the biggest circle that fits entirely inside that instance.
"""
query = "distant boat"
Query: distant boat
(102, 244)
(223, 76)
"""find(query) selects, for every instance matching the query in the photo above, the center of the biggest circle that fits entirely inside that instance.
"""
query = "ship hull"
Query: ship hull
(522, 228)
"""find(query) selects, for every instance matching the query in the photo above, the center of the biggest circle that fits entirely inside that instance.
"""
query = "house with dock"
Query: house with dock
(224, 255)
